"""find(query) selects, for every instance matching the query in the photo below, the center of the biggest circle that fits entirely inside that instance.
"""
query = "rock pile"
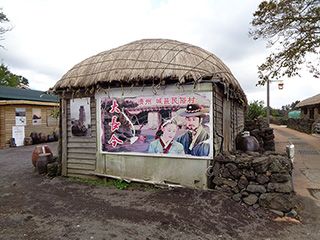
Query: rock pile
(37, 138)
(264, 134)
(256, 179)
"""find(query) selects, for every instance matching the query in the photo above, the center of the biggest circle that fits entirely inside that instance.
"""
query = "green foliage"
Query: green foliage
(114, 183)
(292, 28)
(10, 79)
(3, 24)
(275, 112)
(55, 113)
(256, 109)
(120, 184)
(290, 107)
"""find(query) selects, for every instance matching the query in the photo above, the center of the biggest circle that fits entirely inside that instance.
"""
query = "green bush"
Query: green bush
(256, 109)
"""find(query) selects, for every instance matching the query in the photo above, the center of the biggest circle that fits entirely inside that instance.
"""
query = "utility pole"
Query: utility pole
(268, 102)
(280, 86)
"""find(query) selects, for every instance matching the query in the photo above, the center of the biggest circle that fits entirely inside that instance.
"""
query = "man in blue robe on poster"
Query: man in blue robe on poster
(196, 140)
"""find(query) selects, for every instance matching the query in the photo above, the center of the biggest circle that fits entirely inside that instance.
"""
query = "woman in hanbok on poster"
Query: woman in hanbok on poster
(164, 142)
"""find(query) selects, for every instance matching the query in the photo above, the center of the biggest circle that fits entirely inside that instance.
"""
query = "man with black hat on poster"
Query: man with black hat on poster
(195, 140)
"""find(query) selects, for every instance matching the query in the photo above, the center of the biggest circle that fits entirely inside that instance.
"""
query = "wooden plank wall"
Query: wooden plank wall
(240, 118)
(81, 151)
(217, 117)
(237, 121)
(2, 127)
(233, 124)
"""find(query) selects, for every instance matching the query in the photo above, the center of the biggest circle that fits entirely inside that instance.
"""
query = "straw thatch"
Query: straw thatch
(309, 101)
(146, 61)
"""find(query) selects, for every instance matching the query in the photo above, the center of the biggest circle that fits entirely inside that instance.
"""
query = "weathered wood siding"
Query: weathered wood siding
(239, 118)
(80, 152)
(237, 121)
(217, 118)
(233, 123)
(2, 127)
(228, 116)
(8, 120)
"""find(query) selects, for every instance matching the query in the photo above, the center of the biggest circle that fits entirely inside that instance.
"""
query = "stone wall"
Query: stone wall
(302, 125)
(256, 179)
(262, 132)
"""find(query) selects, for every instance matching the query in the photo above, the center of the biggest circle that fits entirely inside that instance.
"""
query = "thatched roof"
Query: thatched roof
(309, 101)
(149, 60)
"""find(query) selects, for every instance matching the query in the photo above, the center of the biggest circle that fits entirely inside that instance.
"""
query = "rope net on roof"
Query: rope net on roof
(146, 61)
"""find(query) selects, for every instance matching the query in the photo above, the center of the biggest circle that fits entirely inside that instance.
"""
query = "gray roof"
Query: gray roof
(10, 93)
(310, 101)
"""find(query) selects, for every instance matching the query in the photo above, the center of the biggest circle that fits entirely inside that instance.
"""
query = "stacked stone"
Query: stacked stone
(264, 134)
(36, 138)
(265, 137)
(301, 125)
(256, 179)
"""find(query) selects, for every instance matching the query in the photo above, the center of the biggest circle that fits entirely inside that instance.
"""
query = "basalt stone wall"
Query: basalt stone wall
(256, 179)
(264, 134)
(302, 125)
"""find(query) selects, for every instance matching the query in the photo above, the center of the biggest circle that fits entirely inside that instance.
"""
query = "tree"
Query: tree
(9, 79)
(292, 27)
(256, 109)
(3, 28)
(290, 107)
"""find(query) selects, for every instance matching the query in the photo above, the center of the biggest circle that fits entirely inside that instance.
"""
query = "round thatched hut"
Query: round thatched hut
(153, 110)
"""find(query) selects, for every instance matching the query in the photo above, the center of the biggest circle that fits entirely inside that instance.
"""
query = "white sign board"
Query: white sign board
(21, 116)
(18, 135)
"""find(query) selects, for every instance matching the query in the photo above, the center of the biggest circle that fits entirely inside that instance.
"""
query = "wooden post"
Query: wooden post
(64, 136)
(268, 102)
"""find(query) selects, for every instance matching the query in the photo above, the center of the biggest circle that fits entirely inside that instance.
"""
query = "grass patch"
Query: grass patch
(114, 183)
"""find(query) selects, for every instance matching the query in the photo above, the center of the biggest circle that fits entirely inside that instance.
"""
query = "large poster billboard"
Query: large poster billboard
(175, 125)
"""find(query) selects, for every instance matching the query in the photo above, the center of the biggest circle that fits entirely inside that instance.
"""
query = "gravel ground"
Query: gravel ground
(33, 206)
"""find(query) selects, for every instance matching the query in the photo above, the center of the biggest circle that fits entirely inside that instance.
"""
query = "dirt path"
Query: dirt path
(306, 162)
(37, 207)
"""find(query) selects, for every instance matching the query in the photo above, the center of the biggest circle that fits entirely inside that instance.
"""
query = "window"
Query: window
(36, 116)
(311, 113)
(305, 111)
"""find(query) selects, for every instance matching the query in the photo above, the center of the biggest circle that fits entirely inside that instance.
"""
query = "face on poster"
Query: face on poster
(36, 116)
(21, 117)
(80, 117)
(175, 125)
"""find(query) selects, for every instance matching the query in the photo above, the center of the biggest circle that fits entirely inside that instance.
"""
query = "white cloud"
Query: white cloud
(50, 36)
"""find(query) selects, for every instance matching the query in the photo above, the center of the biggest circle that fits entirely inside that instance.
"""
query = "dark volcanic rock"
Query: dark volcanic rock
(251, 199)
(280, 187)
(243, 182)
(277, 201)
(256, 188)
(261, 164)
(280, 178)
(249, 174)
(262, 178)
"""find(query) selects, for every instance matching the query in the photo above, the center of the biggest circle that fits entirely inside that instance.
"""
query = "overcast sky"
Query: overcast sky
(51, 36)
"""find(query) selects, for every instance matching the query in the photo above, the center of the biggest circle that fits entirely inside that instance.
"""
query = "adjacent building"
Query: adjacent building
(25, 111)
(309, 121)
